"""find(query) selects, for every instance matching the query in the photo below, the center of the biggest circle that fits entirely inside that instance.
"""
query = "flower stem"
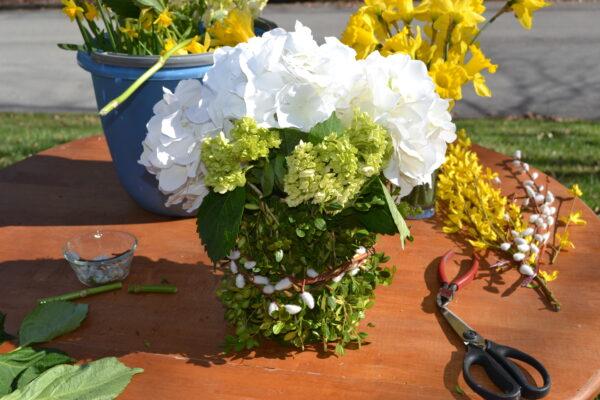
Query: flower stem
(108, 25)
(82, 293)
(491, 21)
(136, 289)
(143, 78)
(548, 293)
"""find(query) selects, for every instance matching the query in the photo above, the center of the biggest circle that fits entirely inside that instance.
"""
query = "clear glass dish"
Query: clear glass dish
(100, 257)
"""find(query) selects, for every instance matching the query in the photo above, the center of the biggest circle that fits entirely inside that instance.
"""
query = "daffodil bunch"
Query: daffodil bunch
(518, 230)
(441, 33)
(140, 27)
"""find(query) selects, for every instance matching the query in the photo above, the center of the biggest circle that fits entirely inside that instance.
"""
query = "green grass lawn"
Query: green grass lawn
(569, 151)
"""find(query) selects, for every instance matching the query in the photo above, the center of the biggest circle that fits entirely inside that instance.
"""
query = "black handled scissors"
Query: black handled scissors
(494, 358)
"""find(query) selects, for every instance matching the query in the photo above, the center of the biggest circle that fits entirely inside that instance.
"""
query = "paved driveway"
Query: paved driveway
(552, 70)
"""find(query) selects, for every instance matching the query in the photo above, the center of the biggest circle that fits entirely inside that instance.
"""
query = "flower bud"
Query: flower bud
(505, 246)
(273, 308)
(549, 197)
(552, 211)
(249, 264)
(292, 309)
(515, 234)
(308, 299)
(283, 284)
(550, 221)
(535, 175)
(339, 277)
(234, 255)
(353, 271)
(261, 280)
(530, 191)
(360, 251)
(518, 257)
(233, 267)
(516, 163)
(240, 282)
(539, 198)
(528, 232)
(544, 226)
(539, 238)
(268, 289)
(311, 273)
(528, 183)
(517, 155)
(520, 241)
(523, 248)
(534, 248)
(525, 202)
(533, 218)
(526, 167)
(526, 270)
(497, 180)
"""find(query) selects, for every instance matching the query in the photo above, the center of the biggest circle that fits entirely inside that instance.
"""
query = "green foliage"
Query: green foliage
(102, 379)
(50, 320)
(21, 366)
(218, 221)
(396, 216)
(123, 8)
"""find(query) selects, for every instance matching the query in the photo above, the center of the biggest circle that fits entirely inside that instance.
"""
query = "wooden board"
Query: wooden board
(412, 353)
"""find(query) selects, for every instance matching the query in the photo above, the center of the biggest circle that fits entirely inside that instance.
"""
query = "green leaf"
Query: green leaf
(123, 8)
(290, 137)
(300, 232)
(71, 47)
(268, 179)
(154, 4)
(219, 218)
(320, 224)
(396, 216)
(3, 335)
(50, 359)
(322, 129)
(279, 170)
(102, 379)
(378, 220)
(278, 327)
(12, 364)
(50, 320)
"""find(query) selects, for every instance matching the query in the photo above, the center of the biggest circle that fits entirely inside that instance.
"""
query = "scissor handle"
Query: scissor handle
(505, 374)
(461, 280)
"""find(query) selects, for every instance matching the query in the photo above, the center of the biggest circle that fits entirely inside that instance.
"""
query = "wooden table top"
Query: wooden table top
(412, 354)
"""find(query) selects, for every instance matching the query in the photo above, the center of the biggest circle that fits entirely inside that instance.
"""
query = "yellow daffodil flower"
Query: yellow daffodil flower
(576, 191)
(164, 19)
(398, 10)
(448, 77)
(129, 29)
(195, 47)
(524, 10)
(573, 219)
(71, 9)
(548, 277)
(90, 11)
(169, 44)
(146, 18)
(475, 66)
(403, 42)
(236, 28)
(564, 241)
(363, 32)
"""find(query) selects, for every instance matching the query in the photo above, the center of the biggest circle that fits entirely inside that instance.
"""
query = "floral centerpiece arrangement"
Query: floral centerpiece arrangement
(288, 152)
(153, 27)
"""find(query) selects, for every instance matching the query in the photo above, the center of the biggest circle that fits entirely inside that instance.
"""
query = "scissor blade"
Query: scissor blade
(459, 326)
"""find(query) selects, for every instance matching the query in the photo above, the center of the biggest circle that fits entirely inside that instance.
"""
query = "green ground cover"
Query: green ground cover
(569, 151)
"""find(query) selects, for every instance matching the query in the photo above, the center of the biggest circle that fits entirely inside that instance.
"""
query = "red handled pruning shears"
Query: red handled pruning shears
(494, 358)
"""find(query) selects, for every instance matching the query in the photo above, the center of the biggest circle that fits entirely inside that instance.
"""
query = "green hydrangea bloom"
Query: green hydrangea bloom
(226, 160)
(335, 170)
(224, 171)
(372, 142)
(251, 142)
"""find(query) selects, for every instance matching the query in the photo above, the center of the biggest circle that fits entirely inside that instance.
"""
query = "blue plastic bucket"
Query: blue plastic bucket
(125, 127)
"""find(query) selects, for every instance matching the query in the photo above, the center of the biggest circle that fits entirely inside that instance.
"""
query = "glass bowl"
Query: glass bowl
(100, 257)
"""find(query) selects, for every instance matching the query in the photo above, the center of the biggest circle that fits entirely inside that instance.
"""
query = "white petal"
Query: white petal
(233, 267)
(283, 284)
(240, 282)
(311, 273)
(273, 308)
(250, 264)
(261, 280)
(268, 289)
(526, 270)
(308, 299)
(292, 309)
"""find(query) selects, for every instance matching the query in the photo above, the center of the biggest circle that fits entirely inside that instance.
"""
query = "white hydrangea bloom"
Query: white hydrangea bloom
(285, 79)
